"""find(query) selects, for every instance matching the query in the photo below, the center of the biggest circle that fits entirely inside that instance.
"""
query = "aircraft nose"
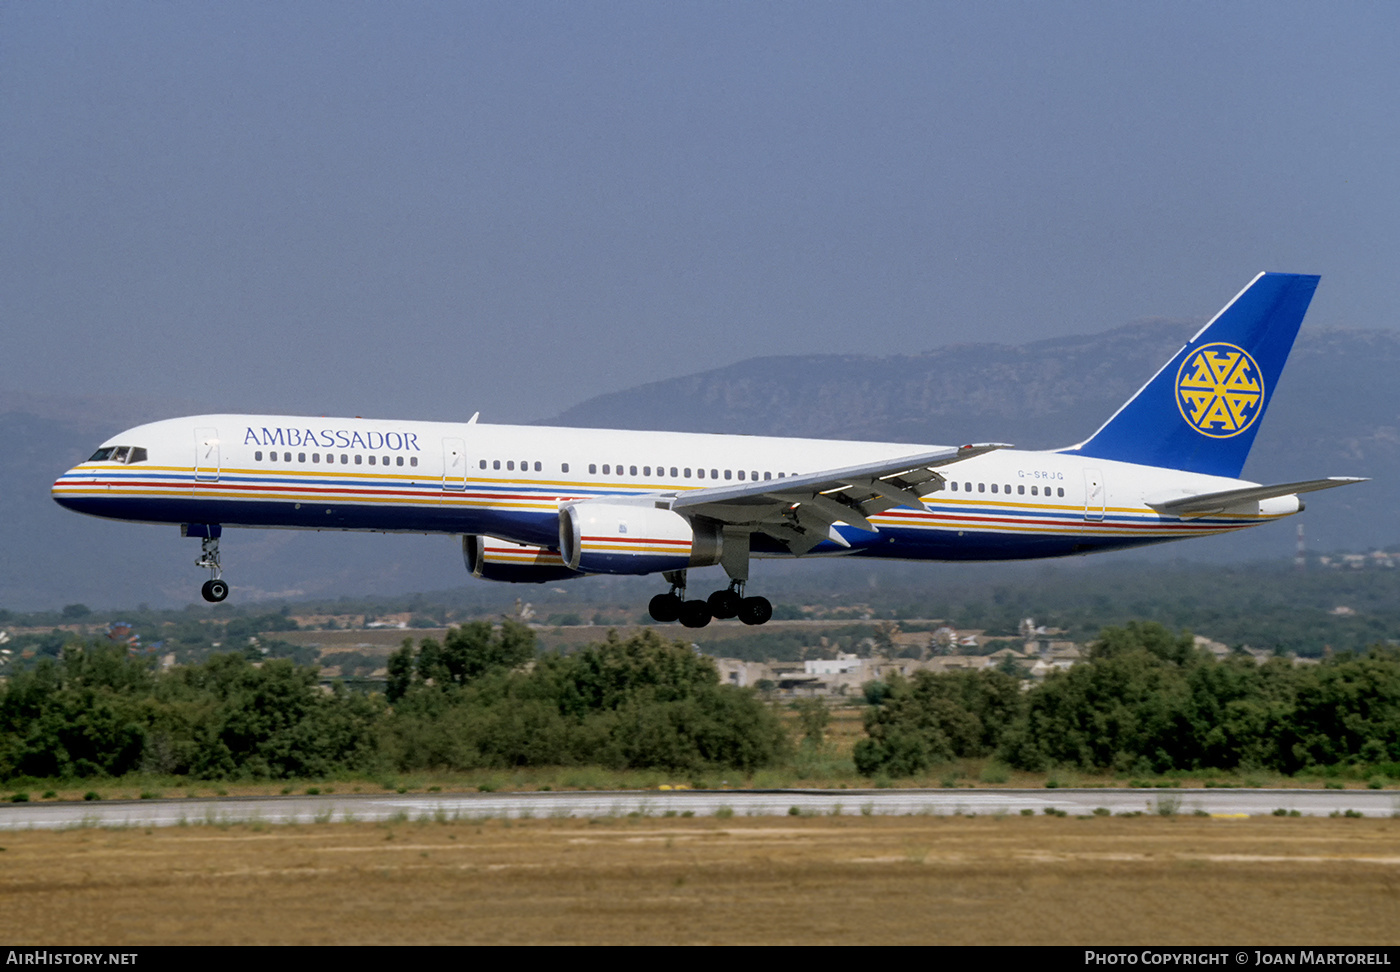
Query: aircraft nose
(64, 488)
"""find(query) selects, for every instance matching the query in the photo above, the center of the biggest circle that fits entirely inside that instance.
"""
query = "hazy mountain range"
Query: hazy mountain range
(1336, 412)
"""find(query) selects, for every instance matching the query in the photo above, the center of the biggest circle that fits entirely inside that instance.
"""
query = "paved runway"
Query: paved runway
(465, 806)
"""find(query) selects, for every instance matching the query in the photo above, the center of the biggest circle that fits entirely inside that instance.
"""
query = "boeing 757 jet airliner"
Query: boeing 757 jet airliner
(544, 504)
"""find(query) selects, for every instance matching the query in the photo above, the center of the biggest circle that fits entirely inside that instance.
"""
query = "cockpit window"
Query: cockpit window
(122, 454)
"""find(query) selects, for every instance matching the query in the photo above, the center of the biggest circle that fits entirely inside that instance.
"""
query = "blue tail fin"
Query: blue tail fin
(1201, 412)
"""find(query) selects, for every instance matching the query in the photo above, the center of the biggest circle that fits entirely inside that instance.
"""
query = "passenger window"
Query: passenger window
(1020, 491)
(371, 460)
(699, 474)
(981, 487)
(398, 460)
(563, 467)
(496, 464)
(646, 470)
(510, 464)
(767, 476)
(257, 456)
(632, 471)
(359, 459)
(480, 465)
(301, 457)
(538, 467)
(994, 487)
(593, 469)
(607, 469)
(1060, 491)
(741, 474)
(673, 472)
(272, 456)
(753, 474)
(413, 460)
(687, 472)
(714, 474)
(954, 485)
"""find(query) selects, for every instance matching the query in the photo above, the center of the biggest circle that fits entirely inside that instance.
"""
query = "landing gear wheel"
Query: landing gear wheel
(695, 614)
(214, 591)
(755, 610)
(724, 604)
(665, 608)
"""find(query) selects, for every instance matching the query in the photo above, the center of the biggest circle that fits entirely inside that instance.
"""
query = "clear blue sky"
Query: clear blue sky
(422, 210)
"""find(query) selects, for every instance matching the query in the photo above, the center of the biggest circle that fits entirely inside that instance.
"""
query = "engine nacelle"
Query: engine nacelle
(615, 538)
(515, 563)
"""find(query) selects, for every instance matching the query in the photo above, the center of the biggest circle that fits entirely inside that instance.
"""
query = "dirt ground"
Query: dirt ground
(847, 880)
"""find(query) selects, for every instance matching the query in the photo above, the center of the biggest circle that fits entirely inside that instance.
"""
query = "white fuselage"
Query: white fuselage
(510, 481)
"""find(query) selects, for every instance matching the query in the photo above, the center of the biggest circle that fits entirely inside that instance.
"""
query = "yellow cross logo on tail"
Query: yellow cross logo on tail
(1219, 390)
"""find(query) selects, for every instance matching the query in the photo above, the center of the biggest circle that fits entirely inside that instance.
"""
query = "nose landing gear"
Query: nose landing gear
(215, 589)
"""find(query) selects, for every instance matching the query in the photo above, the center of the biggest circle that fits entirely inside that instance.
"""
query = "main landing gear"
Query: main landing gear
(215, 589)
(728, 603)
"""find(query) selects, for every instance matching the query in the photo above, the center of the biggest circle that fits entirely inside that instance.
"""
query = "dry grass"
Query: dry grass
(848, 879)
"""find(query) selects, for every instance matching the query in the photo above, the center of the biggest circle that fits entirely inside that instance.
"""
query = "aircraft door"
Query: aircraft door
(1094, 495)
(454, 464)
(206, 455)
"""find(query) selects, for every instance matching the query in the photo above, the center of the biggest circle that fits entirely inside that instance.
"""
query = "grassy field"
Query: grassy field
(839, 880)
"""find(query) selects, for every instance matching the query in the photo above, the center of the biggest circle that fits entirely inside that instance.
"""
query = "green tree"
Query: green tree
(399, 672)
(639, 702)
(1129, 702)
(813, 716)
(937, 717)
(472, 650)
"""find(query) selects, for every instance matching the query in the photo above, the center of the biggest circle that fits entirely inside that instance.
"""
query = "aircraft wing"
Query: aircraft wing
(1204, 504)
(800, 511)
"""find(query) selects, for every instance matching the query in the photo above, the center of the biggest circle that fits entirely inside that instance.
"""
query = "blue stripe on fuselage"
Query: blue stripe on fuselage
(425, 507)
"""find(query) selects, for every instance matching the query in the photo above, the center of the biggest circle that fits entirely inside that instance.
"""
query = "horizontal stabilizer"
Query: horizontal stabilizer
(1204, 504)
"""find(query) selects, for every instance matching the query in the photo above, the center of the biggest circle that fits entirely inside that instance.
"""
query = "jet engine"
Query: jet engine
(516, 563)
(616, 538)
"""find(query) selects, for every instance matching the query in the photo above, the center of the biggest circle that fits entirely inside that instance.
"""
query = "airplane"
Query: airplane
(536, 504)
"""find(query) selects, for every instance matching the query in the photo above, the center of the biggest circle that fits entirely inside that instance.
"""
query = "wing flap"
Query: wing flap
(800, 511)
